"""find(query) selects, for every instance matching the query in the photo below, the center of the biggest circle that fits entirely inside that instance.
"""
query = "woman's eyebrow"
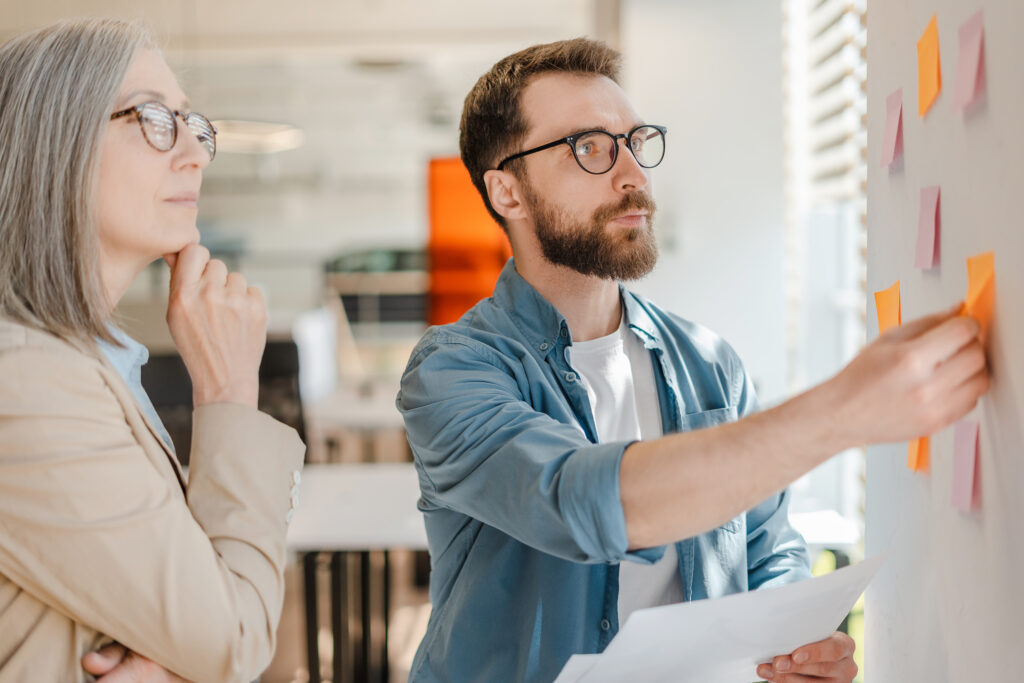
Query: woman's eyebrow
(151, 94)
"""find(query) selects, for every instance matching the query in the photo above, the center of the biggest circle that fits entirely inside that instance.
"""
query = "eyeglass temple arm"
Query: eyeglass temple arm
(565, 141)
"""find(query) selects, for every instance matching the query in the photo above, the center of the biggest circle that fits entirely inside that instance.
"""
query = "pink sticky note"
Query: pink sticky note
(965, 465)
(892, 145)
(970, 65)
(928, 224)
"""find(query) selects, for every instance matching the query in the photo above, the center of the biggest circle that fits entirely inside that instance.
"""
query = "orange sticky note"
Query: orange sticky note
(981, 284)
(887, 306)
(917, 454)
(929, 71)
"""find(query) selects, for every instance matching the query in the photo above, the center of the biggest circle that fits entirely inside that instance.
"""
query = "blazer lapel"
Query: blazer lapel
(134, 410)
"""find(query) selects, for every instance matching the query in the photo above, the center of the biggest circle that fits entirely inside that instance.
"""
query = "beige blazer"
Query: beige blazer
(101, 538)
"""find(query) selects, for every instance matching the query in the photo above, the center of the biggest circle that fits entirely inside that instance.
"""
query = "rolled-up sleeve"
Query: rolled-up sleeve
(485, 452)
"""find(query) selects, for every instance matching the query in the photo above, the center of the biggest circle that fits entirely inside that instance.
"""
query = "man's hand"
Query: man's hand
(912, 381)
(116, 664)
(828, 660)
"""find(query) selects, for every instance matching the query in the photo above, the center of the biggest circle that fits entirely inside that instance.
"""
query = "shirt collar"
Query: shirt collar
(542, 324)
(127, 359)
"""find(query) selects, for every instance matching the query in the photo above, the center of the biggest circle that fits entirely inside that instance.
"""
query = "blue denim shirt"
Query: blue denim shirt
(522, 507)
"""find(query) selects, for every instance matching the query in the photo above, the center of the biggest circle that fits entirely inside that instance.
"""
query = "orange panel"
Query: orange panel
(466, 249)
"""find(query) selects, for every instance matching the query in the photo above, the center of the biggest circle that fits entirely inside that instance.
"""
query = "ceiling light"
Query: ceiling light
(256, 137)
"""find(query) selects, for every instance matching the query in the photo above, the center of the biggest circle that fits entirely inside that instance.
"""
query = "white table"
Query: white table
(346, 412)
(345, 509)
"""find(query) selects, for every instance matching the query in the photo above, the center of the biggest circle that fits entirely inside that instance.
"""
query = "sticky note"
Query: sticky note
(981, 284)
(966, 481)
(892, 145)
(887, 306)
(917, 454)
(970, 63)
(929, 71)
(928, 229)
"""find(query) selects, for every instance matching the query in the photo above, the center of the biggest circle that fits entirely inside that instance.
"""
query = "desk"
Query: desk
(343, 509)
(342, 412)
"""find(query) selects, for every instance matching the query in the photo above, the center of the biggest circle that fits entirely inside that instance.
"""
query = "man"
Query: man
(581, 452)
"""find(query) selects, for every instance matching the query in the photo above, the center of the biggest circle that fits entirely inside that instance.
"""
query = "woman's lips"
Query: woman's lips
(188, 201)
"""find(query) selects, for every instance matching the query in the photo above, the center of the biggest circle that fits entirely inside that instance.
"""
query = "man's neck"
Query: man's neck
(591, 306)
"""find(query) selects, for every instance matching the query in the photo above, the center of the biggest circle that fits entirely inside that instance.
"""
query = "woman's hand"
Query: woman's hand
(219, 325)
(116, 664)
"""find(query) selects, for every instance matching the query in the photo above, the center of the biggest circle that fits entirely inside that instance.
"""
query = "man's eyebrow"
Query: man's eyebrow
(151, 95)
(603, 129)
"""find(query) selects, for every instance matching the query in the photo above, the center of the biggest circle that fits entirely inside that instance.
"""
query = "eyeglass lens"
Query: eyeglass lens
(160, 128)
(597, 151)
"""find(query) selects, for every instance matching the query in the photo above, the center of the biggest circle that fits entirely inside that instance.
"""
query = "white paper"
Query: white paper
(723, 640)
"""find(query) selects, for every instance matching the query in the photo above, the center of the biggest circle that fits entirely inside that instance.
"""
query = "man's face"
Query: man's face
(598, 225)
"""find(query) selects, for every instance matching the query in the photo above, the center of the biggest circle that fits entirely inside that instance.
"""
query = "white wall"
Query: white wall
(947, 606)
(712, 72)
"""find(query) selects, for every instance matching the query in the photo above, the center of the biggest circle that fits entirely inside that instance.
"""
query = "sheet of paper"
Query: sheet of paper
(576, 668)
(892, 144)
(918, 454)
(965, 465)
(929, 71)
(970, 63)
(887, 306)
(928, 229)
(723, 640)
(981, 288)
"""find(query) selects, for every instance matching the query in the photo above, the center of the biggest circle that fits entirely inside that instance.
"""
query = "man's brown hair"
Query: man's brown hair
(493, 124)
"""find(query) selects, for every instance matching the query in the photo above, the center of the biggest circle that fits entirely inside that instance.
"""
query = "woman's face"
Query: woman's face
(147, 199)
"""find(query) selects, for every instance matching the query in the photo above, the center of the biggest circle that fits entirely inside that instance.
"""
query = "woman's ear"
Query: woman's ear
(505, 194)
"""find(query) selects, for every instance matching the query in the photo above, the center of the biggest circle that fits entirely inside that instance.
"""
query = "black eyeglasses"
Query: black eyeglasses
(597, 150)
(160, 128)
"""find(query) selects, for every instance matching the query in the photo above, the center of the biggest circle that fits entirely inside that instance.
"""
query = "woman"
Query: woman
(101, 539)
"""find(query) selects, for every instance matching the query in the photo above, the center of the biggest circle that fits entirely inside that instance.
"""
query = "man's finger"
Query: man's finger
(918, 326)
(103, 660)
(941, 343)
(837, 646)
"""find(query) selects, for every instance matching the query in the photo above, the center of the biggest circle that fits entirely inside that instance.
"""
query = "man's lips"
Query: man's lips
(632, 218)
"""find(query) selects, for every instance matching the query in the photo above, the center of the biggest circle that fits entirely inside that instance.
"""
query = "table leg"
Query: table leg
(309, 561)
(364, 605)
(384, 664)
(339, 616)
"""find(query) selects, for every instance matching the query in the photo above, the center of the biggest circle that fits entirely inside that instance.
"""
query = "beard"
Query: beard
(588, 246)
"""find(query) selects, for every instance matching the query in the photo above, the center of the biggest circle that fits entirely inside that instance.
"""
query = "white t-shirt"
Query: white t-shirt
(618, 375)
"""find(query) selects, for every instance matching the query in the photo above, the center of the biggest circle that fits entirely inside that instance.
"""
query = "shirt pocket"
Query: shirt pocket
(712, 418)
(708, 418)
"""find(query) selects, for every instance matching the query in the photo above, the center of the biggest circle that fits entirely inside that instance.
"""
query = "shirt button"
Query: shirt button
(288, 517)
(605, 625)
(295, 498)
(544, 346)
(570, 377)
(296, 477)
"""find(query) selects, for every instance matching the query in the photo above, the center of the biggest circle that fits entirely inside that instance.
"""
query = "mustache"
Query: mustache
(640, 201)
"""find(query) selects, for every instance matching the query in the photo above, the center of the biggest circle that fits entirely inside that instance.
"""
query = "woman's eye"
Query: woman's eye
(586, 148)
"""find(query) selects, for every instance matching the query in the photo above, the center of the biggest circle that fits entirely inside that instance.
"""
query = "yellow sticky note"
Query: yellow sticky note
(917, 454)
(929, 71)
(981, 281)
(887, 306)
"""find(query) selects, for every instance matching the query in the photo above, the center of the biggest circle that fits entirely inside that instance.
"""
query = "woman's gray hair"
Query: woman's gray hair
(58, 87)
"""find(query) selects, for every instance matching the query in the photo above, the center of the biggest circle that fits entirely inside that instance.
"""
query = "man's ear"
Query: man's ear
(505, 193)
